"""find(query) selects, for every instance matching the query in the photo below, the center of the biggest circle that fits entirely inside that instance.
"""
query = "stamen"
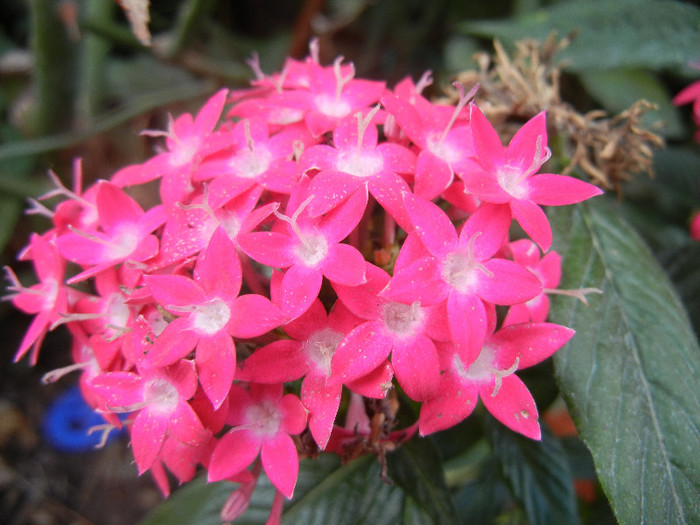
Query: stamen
(62, 190)
(248, 137)
(425, 80)
(362, 124)
(126, 409)
(472, 260)
(340, 80)
(204, 206)
(578, 293)
(118, 331)
(16, 286)
(55, 375)
(500, 374)
(315, 50)
(90, 236)
(37, 208)
(104, 429)
(542, 155)
(70, 317)
(292, 221)
(463, 100)
(254, 64)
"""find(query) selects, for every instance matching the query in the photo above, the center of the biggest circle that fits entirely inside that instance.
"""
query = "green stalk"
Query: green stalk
(54, 69)
(190, 15)
(95, 48)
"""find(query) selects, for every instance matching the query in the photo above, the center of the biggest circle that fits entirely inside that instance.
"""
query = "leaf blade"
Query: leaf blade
(630, 375)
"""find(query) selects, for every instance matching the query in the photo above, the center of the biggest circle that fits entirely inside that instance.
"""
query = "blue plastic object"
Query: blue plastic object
(67, 421)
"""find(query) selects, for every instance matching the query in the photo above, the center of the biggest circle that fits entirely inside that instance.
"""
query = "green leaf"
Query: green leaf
(683, 267)
(417, 468)
(538, 473)
(10, 213)
(611, 34)
(631, 375)
(353, 494)
(196, 502)
(618, 89)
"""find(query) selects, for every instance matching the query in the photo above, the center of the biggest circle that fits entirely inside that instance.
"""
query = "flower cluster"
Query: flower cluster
(317, 236)
(691, 94)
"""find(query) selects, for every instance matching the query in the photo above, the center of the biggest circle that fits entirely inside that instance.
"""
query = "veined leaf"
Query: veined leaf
(611, 34)
(196, 502)
(631, 375)
(538, 473)
(416, 467)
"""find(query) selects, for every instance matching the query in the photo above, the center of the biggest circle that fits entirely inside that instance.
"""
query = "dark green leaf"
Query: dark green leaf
(482, 495)
(416, 467)
(611, 34)
(683, 267)
(195, 503)
(538, 473)
(10, 212)
(631, 375)
(353, 494)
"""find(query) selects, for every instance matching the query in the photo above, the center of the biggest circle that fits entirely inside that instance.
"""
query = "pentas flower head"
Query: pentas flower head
(185, 142)
(460, 270)
(211, 312)
(509, 175)
(46, 300)
(315, 337)
(123, 233)
(310, 249)
(159, 398)
(323, 236)
(263, 420)
(486, 372)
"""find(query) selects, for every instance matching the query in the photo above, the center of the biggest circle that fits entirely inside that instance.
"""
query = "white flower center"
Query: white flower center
(333, 107)
(460, 268)
(161, 395)
(364, 164)
(320, 347)
(513, 181)
(249, 163)
(403, 320)
(211, 317)
(263, 419)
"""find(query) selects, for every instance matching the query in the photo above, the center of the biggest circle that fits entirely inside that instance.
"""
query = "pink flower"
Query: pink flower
(185, 142)
(460, 269)
(159, 397)
(123, 233)
(333, 94)
(250, 156)
(548, 271)
(211, 313)
(310, 249)
(262, 419)
(47, 300)
(508, 175)
(444, 146)
(315, 337)
(695, 227)
(487, 372)
(404, 330)
(357, 162)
